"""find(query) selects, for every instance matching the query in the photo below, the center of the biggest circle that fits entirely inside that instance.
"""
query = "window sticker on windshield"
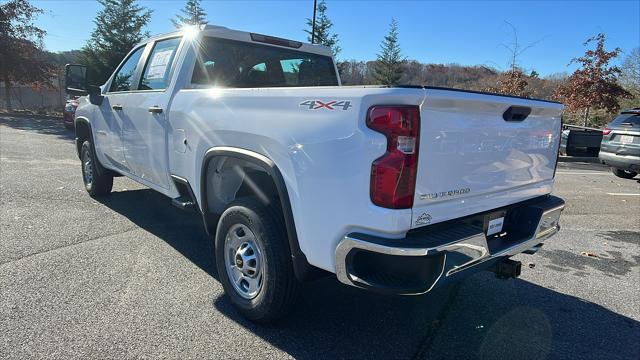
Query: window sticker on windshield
(159, 64)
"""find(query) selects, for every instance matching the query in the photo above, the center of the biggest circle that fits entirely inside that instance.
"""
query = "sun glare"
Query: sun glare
(190, 32)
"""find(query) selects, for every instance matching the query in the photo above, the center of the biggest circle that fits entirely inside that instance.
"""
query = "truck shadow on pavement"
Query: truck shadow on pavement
(180, 229)
(488, 318)
(40, 125)
(508, 320)
(517, 319)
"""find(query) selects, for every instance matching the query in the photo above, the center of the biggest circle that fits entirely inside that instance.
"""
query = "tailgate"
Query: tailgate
(471, 159)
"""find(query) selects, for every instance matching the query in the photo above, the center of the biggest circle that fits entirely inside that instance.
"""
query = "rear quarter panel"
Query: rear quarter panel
(324, 155)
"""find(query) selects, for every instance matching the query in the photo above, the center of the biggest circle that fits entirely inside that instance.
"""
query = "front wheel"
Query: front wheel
(97, 181)
(625, 174)
(254, 261)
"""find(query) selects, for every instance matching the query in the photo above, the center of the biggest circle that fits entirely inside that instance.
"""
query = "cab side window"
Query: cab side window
(157, 71)
(123, 81)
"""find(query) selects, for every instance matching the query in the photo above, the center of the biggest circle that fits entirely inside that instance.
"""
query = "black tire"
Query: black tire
(625, 174)
(279, 287)
(99, 181)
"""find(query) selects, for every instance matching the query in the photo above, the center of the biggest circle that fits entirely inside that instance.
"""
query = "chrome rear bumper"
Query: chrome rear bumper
(430, 257)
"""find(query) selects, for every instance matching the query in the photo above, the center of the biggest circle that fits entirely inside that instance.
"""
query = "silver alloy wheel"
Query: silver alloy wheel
(243, 261)
(87, 167)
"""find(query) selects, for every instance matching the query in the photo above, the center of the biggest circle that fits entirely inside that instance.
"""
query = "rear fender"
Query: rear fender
(301, 267)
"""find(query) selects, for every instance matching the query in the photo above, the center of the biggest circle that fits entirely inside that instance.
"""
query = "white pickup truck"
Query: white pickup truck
(392, 189)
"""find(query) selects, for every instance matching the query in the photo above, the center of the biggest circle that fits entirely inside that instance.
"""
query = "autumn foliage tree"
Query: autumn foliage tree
(21, 57)
(512, 82)
(595, 84)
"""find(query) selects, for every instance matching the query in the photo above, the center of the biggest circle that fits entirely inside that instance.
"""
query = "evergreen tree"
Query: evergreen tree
(194, 14)
(118, 29)
(388, 67)
(323, 33)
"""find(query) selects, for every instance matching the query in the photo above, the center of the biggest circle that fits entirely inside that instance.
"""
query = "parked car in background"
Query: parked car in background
(69, 112)
(620, 146)
(580, 141)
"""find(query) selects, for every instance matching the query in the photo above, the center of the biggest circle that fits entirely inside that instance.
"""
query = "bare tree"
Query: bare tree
(515, 48)
(630, 78)
(514, 81)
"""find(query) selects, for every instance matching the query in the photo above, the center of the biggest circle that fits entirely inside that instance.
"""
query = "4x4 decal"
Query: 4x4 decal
(329, 105)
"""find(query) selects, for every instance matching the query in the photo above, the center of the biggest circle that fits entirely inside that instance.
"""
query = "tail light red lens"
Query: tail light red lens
(393, 175)
(606, 131)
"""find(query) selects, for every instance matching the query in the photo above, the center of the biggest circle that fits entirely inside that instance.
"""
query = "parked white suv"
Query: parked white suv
(394, 189)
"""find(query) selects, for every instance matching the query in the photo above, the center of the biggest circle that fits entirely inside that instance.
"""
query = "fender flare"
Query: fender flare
(85, 121)
(101, 169)
(301, 266)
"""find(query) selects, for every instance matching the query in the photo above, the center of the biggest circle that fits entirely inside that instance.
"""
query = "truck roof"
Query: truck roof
(231, 34)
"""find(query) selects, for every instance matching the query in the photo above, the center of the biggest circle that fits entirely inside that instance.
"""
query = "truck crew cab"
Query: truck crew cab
(392, 189)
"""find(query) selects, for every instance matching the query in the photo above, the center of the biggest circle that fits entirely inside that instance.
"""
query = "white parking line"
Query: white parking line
(583, 173)
(618, 194)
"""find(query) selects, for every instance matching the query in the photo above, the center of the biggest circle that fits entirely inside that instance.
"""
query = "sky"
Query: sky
(444, 32)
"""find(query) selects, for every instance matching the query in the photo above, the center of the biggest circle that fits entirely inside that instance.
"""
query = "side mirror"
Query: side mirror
(76, 83)
(75, 80)
(95, 94)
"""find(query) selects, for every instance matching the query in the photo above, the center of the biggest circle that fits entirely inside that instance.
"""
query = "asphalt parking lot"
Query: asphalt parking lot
(131, 276)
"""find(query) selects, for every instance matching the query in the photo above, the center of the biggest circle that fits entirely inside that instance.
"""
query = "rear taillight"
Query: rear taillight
(393, 175)
(606, 131)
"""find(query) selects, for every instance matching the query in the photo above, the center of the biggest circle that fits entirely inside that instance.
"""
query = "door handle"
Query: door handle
(155, 110)
(116, 107)
(516, 113)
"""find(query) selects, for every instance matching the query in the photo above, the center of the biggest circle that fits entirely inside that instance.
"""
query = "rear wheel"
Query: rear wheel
(254, 261)
(97, 180)
(625, 174)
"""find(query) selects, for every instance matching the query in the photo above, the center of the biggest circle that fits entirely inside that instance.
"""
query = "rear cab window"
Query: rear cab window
(236, 64)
